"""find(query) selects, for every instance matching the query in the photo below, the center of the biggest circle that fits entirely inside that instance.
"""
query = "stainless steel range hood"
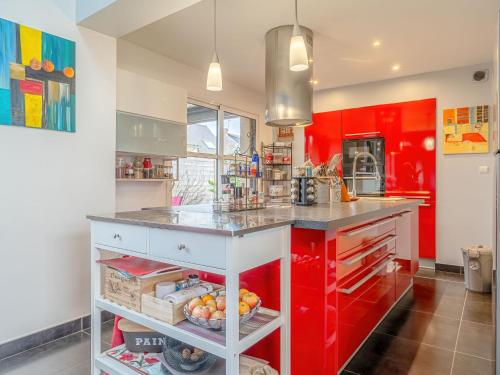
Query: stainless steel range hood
(288, 94)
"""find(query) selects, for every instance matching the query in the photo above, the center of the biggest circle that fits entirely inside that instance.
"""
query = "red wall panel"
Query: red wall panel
(323, 138)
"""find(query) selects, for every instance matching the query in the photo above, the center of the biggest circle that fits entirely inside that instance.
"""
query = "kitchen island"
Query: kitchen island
(350, 263)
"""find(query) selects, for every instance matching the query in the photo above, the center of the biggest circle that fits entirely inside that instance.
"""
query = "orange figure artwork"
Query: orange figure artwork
(465, 130)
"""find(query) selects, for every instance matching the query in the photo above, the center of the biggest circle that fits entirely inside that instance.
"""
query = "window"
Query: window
(198, 173)
(202, 129)
(239, 134)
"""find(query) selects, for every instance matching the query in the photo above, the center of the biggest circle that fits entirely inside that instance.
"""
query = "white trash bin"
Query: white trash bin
(478, 265)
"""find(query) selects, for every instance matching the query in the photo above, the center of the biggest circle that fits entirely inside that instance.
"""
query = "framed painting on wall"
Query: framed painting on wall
(37, 79)
(466, 130)
(285, 133)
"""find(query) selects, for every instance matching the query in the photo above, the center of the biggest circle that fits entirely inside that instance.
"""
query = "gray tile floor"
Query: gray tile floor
(69, 355)
(436, 328)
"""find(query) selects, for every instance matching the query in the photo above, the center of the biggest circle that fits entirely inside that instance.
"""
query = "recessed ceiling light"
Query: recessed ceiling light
(396, 67)
(315, 81)
(376, 43)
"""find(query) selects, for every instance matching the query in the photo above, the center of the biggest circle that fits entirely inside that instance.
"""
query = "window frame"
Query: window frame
(219, 153)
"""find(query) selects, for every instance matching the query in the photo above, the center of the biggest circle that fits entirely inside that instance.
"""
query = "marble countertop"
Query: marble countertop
(201, 219)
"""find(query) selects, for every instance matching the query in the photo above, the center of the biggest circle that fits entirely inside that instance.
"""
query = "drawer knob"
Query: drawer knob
(117, 236)
(181, 247)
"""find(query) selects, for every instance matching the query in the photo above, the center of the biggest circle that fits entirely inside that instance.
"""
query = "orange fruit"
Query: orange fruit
(207, 297)
(243, 291)
(244, 308)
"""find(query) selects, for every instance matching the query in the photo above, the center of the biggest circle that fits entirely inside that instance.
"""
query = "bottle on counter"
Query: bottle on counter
(129, 170)
(148, 168)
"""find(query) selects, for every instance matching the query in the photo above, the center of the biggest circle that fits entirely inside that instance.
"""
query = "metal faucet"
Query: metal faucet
(354, 173)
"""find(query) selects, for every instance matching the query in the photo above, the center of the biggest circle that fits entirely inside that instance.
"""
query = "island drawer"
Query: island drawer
(362, 302)
(358, 235)
(362, 257)
(121, 236)
(196, 248)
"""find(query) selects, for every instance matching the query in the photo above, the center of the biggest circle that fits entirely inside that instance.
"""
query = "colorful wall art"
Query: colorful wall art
(37, 79)
(466, 130)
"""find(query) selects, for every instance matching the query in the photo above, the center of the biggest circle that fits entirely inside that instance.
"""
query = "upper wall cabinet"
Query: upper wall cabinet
(148, 97)
(145, 135)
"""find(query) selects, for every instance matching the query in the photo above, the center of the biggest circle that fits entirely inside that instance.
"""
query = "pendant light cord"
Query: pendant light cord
(296, 13)
(215, 26)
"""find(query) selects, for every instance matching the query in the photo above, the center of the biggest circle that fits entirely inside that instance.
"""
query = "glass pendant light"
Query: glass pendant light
(298, 51)
(214, 76)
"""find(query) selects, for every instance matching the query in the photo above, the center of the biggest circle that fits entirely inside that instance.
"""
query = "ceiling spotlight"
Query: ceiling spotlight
(376, 43)
(314, 81)
(396, 67)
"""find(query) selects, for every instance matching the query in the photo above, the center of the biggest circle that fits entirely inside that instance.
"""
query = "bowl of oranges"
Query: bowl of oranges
(209, 310)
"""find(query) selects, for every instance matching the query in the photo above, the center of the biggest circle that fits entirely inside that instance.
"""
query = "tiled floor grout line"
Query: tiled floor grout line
(433, 278)
(481, 323)
(475, 356)
(417, 342)
(431, 313)
(458, 333)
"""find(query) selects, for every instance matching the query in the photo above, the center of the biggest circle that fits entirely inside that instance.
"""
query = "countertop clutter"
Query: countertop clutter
(143, 168)
(201, 218)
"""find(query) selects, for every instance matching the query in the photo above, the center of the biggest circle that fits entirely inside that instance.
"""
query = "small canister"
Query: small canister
(193, 280)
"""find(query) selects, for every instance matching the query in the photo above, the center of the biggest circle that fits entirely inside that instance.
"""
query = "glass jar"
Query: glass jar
(159, 171)
(120, 168)
(268, 157)
(193, 280)
(138, 169)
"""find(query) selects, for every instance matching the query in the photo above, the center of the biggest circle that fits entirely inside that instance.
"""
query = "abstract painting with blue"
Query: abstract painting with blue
(37, 79)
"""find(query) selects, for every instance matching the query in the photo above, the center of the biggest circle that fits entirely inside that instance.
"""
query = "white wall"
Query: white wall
(465, 198)
(51, 180)
(136, 59)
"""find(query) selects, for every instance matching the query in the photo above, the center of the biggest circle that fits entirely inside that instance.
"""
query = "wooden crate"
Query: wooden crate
(164, 310)
(128, 291)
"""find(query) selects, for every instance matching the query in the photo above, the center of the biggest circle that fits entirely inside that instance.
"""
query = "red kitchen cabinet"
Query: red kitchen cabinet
(411, 148)
(410, 161)
(363, 301)
(427, 233)
(360, 123)
(313, 300)
(323, 138)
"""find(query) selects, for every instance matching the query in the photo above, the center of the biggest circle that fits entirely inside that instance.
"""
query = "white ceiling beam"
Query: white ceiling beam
(120, 17)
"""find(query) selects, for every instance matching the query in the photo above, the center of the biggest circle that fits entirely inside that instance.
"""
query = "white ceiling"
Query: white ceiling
(419, 35)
